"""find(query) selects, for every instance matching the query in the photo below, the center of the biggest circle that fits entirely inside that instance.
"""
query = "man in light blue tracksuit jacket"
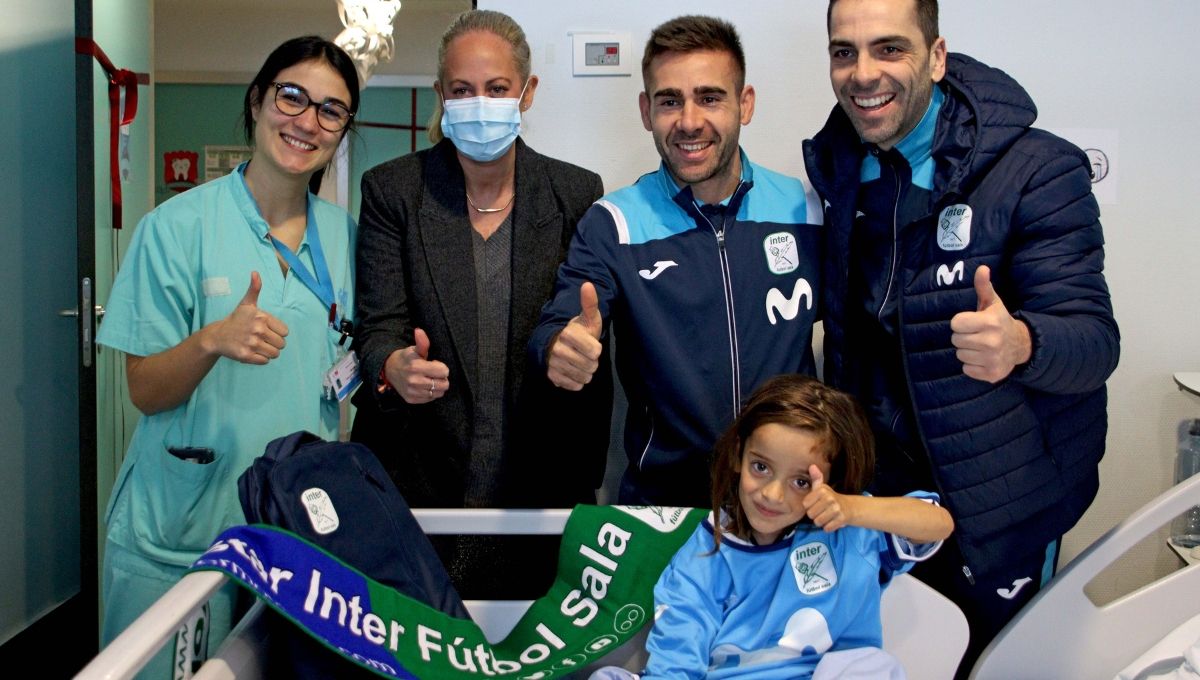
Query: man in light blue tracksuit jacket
(707, 270)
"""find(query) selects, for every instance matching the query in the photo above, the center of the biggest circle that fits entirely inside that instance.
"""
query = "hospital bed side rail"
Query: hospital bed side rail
(922, 628)
(240, 655)
(1062, 634)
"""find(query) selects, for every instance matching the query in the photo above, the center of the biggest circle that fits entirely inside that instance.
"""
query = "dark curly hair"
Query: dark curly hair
(693, 33)
(927, 19)
(290, 53)
(805, 403)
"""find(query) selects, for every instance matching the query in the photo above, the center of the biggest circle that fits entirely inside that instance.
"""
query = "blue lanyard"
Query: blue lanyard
(320, 284)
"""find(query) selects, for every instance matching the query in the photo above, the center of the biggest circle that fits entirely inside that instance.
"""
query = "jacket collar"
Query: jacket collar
(916, 147)
(684, 198)
(445, 238)
(985, 111)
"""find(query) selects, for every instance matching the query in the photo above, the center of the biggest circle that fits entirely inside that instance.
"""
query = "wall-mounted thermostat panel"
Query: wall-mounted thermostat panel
(601, 54)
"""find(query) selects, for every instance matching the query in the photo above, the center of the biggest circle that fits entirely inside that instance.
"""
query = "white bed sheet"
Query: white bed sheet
(1175, 657)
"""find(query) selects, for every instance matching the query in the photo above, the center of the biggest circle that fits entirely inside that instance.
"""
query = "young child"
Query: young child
(788, 571)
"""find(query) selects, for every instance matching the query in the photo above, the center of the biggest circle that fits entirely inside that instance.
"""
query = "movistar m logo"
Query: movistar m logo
(947, 275)
(659, 267)
(789, 307)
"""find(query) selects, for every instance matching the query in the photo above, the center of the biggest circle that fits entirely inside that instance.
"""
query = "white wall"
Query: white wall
(122, 28)
(595, 122)
(1099, 64)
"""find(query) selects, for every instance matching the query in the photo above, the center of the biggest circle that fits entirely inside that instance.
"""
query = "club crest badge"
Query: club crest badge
(954, 227)
(321, 513)
(783, 255)
(813, 568)
(661, 518)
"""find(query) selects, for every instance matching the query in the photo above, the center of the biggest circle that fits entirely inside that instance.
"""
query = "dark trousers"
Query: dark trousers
(988, 600)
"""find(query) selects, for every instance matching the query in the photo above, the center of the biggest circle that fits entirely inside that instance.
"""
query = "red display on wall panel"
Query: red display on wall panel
(180, 169)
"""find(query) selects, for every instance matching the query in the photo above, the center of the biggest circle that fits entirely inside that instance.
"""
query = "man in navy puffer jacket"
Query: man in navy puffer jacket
(965, 301)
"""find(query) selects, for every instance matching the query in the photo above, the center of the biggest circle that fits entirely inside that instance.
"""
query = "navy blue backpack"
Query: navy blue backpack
(293, 486)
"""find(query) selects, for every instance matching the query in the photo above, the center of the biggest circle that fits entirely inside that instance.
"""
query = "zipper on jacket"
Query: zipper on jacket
(966, 569)
(649, 438)
(895, 248)
(904, 450)
(730, 317)
(912, 402)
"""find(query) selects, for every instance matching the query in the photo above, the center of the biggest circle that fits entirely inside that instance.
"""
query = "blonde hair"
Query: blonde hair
(496, 23)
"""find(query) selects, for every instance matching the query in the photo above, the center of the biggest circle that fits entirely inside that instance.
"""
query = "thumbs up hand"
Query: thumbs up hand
(410, 372)
(825, 507)
(574, 353)
(990, 342)
(249, 334)
(589, 315)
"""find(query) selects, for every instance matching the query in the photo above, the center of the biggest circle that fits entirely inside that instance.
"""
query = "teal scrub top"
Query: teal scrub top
(189, 265)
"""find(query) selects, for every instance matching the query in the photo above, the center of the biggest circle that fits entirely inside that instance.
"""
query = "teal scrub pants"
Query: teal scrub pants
(132, 582)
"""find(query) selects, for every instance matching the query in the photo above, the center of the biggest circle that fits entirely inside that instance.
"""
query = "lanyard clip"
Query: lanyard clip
(347, 329)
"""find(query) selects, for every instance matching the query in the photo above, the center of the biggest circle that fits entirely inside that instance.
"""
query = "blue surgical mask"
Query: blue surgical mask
(482, 128)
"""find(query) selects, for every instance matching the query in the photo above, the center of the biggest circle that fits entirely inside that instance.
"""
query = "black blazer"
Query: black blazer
(415, 269)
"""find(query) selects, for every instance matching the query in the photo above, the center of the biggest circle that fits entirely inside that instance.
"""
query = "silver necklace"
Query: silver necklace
(491, 210)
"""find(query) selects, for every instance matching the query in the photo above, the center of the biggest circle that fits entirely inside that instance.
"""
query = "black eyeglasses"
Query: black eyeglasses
(292, 100)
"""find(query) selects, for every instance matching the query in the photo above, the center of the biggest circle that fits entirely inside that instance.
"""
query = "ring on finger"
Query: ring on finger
(432, 384)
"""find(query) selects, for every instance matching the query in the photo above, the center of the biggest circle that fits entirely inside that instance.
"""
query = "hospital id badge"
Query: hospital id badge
(341, 380)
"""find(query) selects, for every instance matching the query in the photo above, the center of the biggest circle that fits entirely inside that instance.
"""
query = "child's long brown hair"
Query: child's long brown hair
(805, 403)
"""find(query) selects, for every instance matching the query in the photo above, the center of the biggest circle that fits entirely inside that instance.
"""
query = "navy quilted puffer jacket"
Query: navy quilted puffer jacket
(1015, 462)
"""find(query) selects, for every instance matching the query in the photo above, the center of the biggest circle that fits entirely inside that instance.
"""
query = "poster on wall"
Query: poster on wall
(220, 160)
(1101, 148)
(180, 169)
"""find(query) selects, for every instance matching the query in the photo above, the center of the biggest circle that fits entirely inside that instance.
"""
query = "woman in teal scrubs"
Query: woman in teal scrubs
(230, 307)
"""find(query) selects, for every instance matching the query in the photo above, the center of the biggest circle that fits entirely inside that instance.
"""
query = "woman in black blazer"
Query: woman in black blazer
(458, 246)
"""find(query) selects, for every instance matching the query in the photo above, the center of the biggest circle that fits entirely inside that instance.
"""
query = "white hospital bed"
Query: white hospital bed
(922, 628)
(1061, 634)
